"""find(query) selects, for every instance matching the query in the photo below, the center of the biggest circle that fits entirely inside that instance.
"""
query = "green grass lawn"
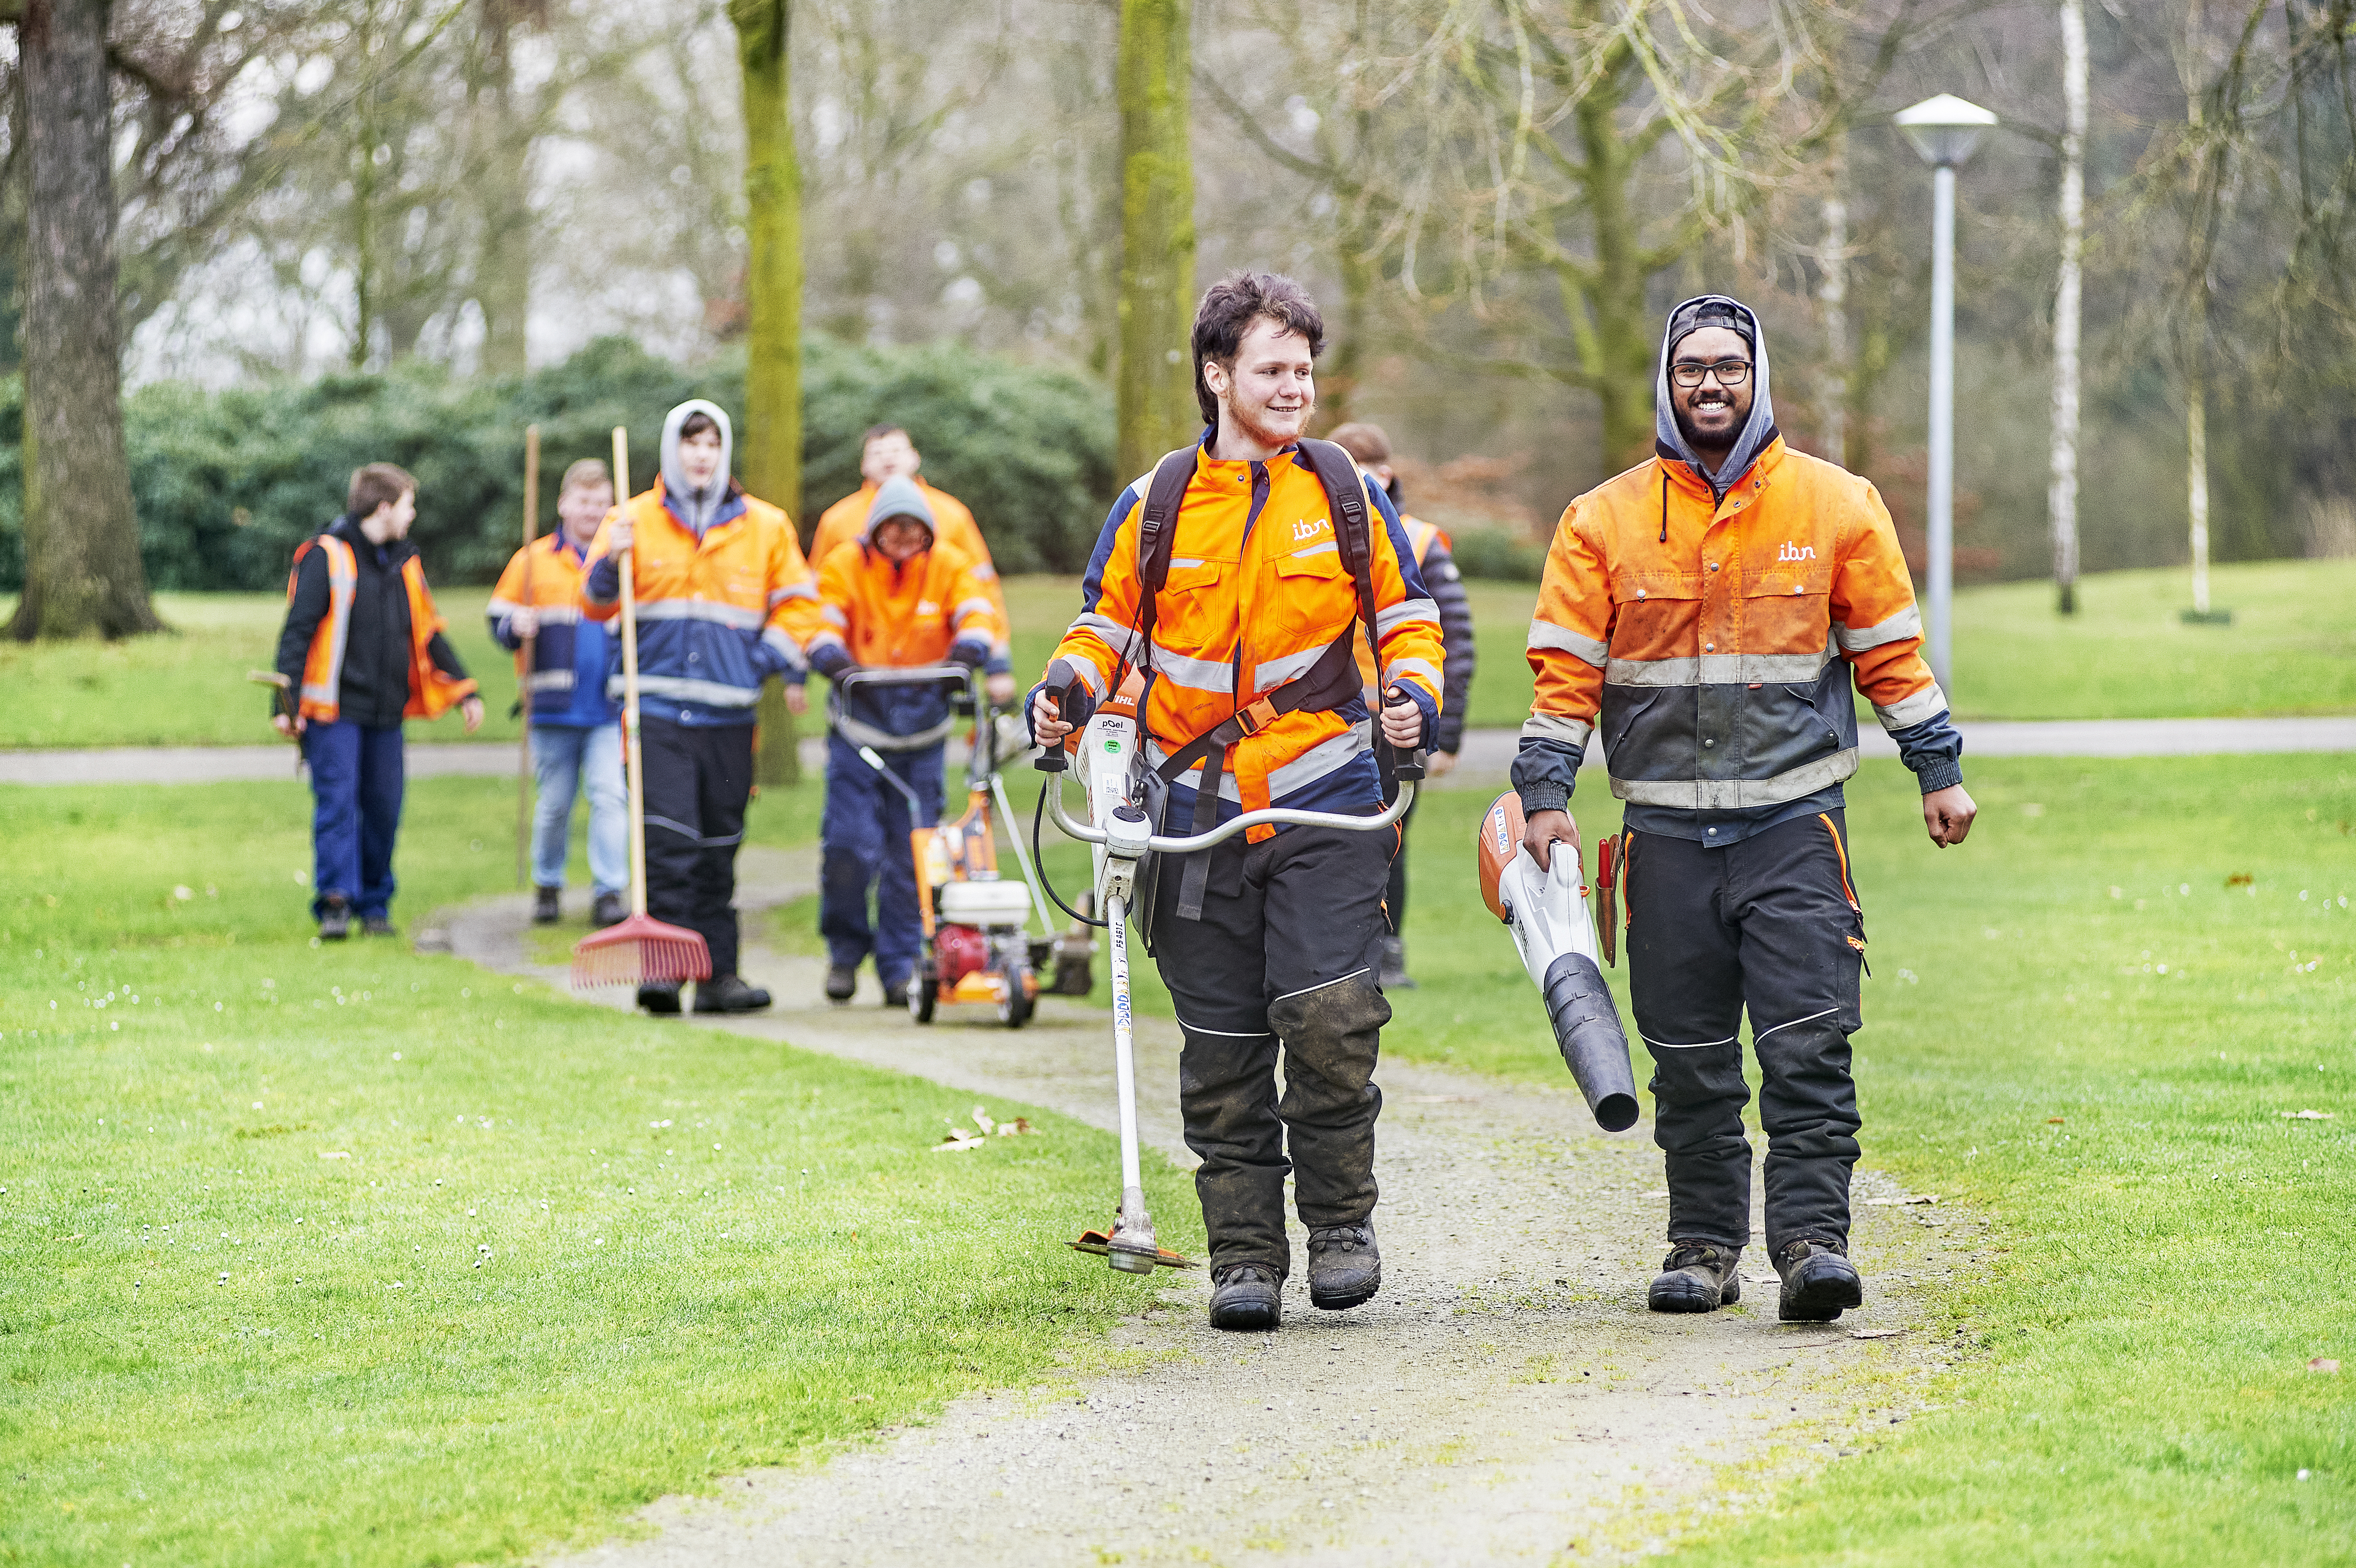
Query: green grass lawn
(341, 1253)
(2088, 1021)
(2291, 650)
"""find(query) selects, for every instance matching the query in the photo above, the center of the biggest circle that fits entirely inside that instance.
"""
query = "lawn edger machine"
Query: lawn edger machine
(978, 950)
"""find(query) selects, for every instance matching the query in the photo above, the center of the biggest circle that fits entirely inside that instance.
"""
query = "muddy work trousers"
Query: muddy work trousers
(1284, 958)
(1769, 926)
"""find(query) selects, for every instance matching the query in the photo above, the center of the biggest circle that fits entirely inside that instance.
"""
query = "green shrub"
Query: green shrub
(226, 483)
(1498, 555)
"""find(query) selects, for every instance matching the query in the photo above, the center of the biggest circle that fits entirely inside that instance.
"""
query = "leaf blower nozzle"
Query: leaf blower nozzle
(1547, 912)
(1587, 1030)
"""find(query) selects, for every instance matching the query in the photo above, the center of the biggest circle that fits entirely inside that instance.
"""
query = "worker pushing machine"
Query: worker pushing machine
(362, 650)
(724, 601)
(887, 452)
(576, 729)
(1239, 576)
(1706, 610)
(1435, 562)
(896, 597)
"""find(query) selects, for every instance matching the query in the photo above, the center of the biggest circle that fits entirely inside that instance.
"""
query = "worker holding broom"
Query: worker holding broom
(361, 651)
(1435, 562)
(1245, 614)
(724, 601)
(887, 452)
(896, 598)
(576, 729)
(1707, 610)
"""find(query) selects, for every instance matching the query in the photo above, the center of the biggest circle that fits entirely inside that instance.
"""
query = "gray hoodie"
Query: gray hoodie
(695, 507)
(1758, 432)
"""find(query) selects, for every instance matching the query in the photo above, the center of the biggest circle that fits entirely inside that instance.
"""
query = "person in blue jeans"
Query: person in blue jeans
(362, 650)
(576, 727)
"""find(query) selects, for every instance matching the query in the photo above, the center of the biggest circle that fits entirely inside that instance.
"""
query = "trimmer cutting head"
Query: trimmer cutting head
(1100, 1243)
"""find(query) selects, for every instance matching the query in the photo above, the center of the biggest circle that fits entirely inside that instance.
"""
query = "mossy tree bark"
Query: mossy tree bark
(1155, 399)
(83, 570)
(771, 442)
(501, 177)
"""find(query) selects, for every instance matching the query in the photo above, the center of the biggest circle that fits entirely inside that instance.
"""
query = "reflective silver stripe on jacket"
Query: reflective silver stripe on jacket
(1906, 623)
(1717, 670)
(1557, 726)
(1545, 634)
(1733, 794)
(680, 689)
(1927, 703)
(733, 616)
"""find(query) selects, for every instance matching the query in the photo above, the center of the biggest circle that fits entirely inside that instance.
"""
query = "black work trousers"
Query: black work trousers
(1285, 955)
(1771, 926)
(698, 778)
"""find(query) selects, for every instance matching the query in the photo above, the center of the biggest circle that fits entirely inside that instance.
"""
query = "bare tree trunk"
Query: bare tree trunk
(83, 570)
(772, 439)
(2196, 448)
(1832, 293)
(2061, 494)
(1613, 324)
(503, 192)
(1156, 309)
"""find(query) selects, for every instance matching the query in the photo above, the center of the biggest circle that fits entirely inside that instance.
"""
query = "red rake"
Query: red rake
(640, 950)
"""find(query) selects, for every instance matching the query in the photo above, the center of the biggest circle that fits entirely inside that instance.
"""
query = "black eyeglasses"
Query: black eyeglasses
(1730, 372)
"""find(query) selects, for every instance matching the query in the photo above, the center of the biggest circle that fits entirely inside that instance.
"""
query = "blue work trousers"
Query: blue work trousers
(356, 783)
(865, 833)
(566, 758)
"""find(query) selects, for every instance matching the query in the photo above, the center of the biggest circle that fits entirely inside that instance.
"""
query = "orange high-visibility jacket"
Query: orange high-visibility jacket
(1420, 537)
(899, 617)
(716, 615)
(432, 691)
(1256, 593)
(845, 523)
(1717, 662)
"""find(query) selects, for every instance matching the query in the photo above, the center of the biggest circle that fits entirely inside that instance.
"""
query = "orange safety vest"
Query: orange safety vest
(431, 693)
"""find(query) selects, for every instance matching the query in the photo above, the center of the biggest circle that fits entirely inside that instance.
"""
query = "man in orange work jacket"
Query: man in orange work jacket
(363, 649)
(1707, 611)
(1280, 940)
(892, 599)
(887, 452)
(724, 601)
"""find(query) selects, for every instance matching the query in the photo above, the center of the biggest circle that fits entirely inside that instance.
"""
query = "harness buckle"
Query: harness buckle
(1257, 716)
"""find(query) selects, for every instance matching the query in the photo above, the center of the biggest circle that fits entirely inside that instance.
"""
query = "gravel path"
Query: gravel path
(1487, 752)
(1505, 1398)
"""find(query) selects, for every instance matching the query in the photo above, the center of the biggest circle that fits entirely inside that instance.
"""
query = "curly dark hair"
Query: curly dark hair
(1229, 308)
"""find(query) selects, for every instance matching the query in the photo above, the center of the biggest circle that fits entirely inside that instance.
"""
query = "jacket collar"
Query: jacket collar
(729, 511)
(1686, 477)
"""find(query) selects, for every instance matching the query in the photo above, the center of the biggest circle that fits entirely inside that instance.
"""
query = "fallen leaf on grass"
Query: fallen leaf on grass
(1896, 1202)
(2306, 1115)
(1016, 1128)
(959, 1138)
(335, 1153)
(982, 1120)
(2240, 879)
(2053, 1122)
(2323, 1364)
(1874, 1333)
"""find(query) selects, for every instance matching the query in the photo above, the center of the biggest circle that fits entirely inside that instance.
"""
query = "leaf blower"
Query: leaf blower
(1546, 911)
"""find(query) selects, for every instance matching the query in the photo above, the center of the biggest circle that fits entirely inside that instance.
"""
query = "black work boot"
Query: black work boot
(544, 908)
(1394, 975)
(1344, 1268)
(842, 979)
(895, 994)
(660, 998)
(1245, 1297)
(377, 926)
(729, 993)
(1819, 1281)
(610, 909)
(335, 919)
(1696, 1276)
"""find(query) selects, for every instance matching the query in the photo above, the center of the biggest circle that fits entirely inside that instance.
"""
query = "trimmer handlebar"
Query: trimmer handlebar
(1130, 843)
(955, 675)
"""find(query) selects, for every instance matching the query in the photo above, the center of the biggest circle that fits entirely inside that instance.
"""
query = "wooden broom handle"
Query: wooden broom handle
(630, 686)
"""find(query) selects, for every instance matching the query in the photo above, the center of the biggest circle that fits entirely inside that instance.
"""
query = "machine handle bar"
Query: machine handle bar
(1165, 844)
(914, 675)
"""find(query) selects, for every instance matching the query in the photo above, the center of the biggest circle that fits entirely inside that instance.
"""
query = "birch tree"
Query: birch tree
(2062, 496)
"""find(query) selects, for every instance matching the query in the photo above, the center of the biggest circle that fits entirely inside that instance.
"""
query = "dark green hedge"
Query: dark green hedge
(226, 483)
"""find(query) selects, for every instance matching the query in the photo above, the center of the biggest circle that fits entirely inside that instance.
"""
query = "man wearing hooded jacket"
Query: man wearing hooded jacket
(895, 597)
(724, 601)
(1706, 610)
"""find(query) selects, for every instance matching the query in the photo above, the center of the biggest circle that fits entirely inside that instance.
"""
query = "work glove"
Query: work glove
(972, 655)
(830, 660)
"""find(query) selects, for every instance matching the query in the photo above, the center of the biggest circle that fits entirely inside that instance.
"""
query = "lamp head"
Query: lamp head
(1944, 129)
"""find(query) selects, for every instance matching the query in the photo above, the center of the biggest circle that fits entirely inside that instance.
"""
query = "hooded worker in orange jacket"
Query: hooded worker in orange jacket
(887, 452)
(895, 599)
(1277, 941)
(1708, 611)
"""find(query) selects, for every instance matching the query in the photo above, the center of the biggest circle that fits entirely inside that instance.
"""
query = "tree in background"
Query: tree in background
(2061, 498)
(502, 131)
(771, 442)
(82, 569)
(1155, 392)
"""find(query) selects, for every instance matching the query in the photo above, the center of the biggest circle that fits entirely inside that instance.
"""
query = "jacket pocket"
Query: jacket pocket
(1308, 600)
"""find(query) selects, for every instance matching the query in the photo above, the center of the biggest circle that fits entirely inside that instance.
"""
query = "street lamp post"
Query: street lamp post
(1943, 130)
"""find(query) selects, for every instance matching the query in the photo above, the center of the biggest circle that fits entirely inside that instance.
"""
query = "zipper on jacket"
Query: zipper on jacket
(1260, 500)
